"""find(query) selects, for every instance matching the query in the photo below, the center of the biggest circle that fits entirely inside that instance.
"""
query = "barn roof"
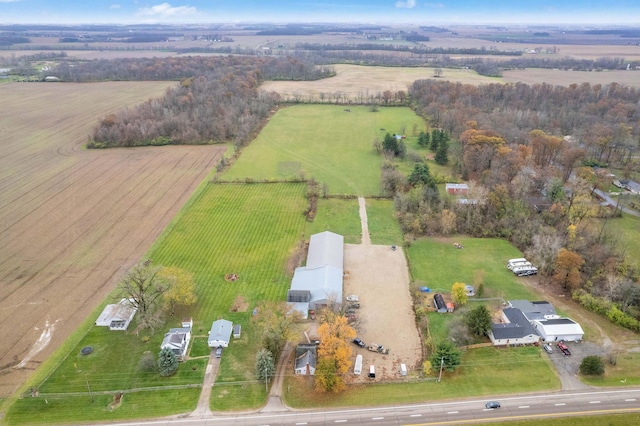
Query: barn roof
(326, 248)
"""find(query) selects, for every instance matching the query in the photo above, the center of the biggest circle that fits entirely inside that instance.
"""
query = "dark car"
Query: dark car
(492, 404)
(219, 352)
(359, 342)
(354, 306)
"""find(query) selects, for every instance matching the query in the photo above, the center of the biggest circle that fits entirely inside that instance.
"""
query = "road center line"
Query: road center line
(559, 404)
(523, 406)
(630, 399)
(416, 415)
(594, 402)
(452, 412)
(340, 421)
(377, 418)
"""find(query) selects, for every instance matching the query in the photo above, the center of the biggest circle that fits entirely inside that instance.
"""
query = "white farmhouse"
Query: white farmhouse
(220, 333)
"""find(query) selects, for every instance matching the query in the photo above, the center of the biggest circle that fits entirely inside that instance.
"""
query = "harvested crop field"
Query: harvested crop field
(73, 220)
(566, 78)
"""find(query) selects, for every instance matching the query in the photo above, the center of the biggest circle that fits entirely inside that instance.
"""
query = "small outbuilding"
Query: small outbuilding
(237, 331)
(556, 329)
(439, 303)
(220, 333)
(117, 316)
(457, 188)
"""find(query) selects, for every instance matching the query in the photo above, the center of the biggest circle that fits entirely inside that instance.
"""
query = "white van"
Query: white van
(372, 371)
(357, 369)
(403, 369)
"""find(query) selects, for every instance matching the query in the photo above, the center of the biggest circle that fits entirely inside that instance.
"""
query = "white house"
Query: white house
(552, 330)
(318, 284)
(117, 316)
(177, 339)
(306, 357)
(514, 330)
(220, 333)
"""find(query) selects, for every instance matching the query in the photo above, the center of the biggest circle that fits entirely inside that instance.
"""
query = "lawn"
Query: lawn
(437, 264)
(337, 215)
(626, 230)
(485, 371)
(325, 142)
(383, 225)
(247, 229)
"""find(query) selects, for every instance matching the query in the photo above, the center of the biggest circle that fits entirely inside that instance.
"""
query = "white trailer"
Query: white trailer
(357, 368)
(510, 266)
(523, 271)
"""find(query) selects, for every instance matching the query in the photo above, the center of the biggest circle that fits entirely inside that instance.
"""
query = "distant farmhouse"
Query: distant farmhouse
(318, 284)
(456, 188)
(525, 322)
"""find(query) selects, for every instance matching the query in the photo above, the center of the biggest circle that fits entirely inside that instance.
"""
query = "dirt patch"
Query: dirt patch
(386, 315)
(239, 305)
(73, 220)
(296, 258)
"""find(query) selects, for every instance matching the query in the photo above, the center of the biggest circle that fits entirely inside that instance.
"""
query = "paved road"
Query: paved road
(614, 203)
(556, 404)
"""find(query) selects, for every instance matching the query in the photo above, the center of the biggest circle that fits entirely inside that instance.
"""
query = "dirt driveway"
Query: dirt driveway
(380, 277)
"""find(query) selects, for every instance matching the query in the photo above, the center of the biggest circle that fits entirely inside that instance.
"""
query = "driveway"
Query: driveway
(568, 367)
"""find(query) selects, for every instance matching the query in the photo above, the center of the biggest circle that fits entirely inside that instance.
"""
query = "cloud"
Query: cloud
(409, 4)
(165, 10)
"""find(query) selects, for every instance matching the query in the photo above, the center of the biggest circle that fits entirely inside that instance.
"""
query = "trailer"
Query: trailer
(523, 271)
(511, 266)
(357, 368)
(374, 347)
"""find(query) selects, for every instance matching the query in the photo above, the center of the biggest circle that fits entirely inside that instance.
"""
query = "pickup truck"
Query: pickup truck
(563, 348)
(378, 348)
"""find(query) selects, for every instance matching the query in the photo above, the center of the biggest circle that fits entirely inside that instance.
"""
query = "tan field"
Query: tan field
(73, 220)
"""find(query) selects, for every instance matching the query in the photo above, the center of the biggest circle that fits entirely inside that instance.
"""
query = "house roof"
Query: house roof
(306, 354)
(517, 327)
(326, 248)
(456, 186)
(220, 330)
(534, 310)
(123, 311)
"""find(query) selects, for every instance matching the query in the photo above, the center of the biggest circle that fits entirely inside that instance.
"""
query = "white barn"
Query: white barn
(220, 333)
(318, 284)
(552, 330)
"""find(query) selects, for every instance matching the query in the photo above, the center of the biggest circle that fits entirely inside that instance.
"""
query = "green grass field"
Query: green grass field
(325, 142)
(625, 231)
(383, 225)
(337, 215)
(485, 371)
(250, 230)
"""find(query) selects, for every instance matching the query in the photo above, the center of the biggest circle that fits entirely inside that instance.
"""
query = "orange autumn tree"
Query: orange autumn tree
(567, 271)
(334, 351)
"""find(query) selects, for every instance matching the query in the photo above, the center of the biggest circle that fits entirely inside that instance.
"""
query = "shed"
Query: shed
(237, 331)
(117, 316)
(220, 333)
(438, 302)
(457, 188)
(469, 290)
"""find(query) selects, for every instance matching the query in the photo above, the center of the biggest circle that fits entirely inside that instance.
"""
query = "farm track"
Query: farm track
(72, 220)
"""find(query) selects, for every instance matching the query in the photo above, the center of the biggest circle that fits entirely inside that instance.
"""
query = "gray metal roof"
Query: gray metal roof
(517, 327)
(326, 248)
(305, 354)
(533, 310)
(322, 283)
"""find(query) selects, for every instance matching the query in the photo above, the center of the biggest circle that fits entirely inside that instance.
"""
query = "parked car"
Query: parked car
(359, 342)
(352, 298)
(565, 350)
(492, 405)
(219, 352)
(354, 306)
(547, 348)
(350, 311)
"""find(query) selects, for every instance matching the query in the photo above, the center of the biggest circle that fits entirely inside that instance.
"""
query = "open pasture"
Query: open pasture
(566, 78)
(73, 220)
(326, 142)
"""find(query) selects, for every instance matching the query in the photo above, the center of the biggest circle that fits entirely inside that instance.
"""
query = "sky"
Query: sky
(423, 12)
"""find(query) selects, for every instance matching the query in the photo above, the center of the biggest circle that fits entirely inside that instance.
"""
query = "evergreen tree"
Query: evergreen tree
(435, 140)
(420, 175)
(442, 157)
(390, 143)
(447, 354)
(167, 362)
(424, 139)
(265, 364)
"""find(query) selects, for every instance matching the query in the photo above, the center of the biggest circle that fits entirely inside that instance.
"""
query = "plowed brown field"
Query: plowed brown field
(72, 220)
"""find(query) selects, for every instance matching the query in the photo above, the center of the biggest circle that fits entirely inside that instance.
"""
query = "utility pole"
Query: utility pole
(266, 383)
(441, 366)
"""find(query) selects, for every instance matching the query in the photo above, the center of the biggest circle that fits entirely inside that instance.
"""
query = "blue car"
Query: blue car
(492, 404)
